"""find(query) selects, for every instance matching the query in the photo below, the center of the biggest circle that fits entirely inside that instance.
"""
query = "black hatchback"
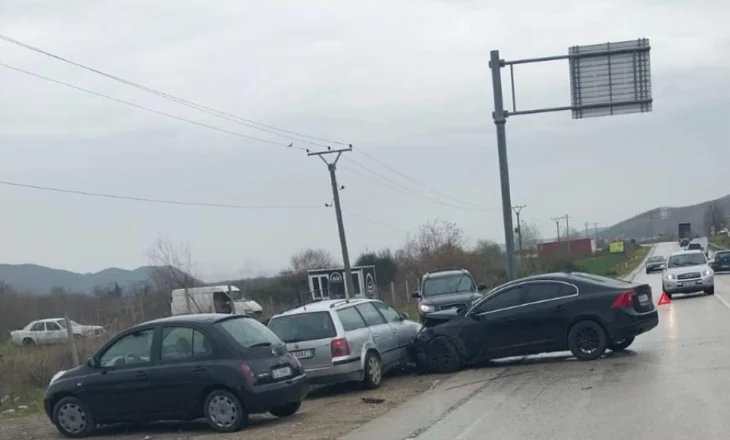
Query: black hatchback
(220, 367)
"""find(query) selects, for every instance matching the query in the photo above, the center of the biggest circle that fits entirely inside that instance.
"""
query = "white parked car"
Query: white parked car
(52, 331)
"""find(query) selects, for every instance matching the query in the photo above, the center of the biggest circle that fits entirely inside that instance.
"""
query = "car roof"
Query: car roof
(324, 306)
(687, 252)
(200, 318)
(445, 272)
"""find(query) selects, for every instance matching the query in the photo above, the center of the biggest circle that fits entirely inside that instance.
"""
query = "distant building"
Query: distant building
(330, 283)
(580, 247)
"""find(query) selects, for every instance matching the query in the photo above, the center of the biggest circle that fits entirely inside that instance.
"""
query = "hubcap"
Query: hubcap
(223, 411)
(587, 340)
(72, 418)
(375, 372)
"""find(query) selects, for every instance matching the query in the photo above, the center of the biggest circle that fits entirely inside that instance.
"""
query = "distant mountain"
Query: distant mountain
(650, 223)
(36, 279)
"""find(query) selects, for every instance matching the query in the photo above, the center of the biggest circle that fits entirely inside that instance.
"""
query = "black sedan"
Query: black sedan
(583, 313)
(220, 367)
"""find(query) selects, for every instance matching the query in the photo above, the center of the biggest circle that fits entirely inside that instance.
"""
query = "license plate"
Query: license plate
(279, 373)
(303, 354)
(643, 298)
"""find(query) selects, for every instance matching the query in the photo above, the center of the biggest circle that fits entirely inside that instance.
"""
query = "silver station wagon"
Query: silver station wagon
(356, 340)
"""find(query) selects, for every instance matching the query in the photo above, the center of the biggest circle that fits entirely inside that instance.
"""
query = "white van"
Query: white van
(213, 299)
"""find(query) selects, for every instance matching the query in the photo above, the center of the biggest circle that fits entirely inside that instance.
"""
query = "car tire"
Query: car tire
(710, 290)
(73, 418)
(224, 411)
(621, 345)
(648, 271)
(373, 372)
(286, 410)
(587, 340)
(442, 356)
(28, 342)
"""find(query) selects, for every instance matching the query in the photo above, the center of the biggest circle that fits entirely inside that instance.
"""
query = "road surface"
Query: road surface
(673, 383)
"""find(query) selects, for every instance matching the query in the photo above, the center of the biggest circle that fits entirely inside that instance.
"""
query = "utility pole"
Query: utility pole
(567, 231)
(500, 119)
(595, 228)
(586, 234)
(332, 167)
(517, 209)
(557, 225)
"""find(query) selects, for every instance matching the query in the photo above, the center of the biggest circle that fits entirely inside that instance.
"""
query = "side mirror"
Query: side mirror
(403, 316)
(91, 363)
(481, 288)
(416, 295)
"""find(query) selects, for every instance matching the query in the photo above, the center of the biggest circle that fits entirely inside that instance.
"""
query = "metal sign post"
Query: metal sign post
(606, 79)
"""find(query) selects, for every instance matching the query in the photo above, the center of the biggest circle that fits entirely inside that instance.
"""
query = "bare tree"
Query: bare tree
(171, 268)
(309, 259)
(530, 236)
(715, 219)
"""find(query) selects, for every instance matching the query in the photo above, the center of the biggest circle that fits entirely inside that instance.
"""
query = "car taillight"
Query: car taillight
(340, 347)
(248, 373)
(625, 299)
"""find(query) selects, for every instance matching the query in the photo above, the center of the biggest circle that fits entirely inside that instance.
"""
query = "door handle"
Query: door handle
(560, 309)
(142, 375)
(199, 369)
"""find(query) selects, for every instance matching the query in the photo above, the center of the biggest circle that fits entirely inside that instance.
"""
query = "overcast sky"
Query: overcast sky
(406, 82)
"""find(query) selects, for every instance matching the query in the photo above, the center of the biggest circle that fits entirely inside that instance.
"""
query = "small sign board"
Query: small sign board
(616, 247)
(610, 79)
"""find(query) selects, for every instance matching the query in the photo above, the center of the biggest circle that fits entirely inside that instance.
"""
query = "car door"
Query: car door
(493, 327)
(38, 332)
(55, 334)
(545, 314)
(404, 333)
(119, 388)
(184, 369)
(383, 336)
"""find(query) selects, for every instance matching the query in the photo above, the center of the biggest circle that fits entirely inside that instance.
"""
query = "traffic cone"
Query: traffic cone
(664, 299)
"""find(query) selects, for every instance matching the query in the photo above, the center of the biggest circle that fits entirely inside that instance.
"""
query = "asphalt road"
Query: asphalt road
(673, 383)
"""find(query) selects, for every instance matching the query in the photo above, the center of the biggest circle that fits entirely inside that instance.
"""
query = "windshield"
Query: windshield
(443, 285)
(656, 259)
(248, 332)
(683, 260)
(303, 327)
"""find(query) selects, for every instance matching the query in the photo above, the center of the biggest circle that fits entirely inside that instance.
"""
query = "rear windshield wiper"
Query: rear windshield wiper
(260, 344)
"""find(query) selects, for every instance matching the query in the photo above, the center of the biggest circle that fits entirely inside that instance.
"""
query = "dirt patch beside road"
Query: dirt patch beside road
(326, 415)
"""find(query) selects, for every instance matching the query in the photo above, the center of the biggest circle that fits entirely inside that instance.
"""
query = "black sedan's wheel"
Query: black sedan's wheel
(73, 418)
(442, 356)
(373, 372)
(587, 340)
(224, 411)
(621, 344)
(286, 410)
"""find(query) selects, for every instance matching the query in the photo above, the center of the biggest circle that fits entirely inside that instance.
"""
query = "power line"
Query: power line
(410, 179)
(375, 222)
(219, 113)
(400, 188)
(151, 200)
(158, 112)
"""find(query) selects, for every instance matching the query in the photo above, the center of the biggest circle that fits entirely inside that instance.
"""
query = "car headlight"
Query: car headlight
(670, 276)
(427, 308)
(707, 272)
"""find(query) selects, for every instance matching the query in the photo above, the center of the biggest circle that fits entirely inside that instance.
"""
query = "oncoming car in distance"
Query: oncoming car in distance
(356, 340)
(220, 367)
(688, 272)
(586, 314)
(655, 263)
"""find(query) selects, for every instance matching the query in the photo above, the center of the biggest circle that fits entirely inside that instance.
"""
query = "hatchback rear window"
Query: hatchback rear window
(303, 327)
(248, 332)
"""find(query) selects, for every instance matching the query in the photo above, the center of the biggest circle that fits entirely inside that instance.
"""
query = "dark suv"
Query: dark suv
(446, 289)
(220, 367)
